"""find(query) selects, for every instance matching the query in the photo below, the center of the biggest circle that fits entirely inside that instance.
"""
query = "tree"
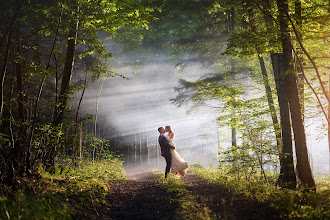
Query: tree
(48, 36)
(303, 167)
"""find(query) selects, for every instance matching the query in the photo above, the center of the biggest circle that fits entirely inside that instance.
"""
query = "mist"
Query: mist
(142, 102)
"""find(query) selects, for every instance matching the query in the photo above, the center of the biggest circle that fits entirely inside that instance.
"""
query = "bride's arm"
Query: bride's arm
(171, 137)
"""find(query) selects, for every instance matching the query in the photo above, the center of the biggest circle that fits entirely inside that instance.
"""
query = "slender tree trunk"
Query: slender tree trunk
(300, 75)
(97, 108)
(78, 125)
(287, 176)
(329, 108)
(231, 27)
(96, 114)
(303, 166)
(140, 148)
(61, 106)
(19, 150)
(10, 160)
(271, 105)
(67, 74)
(276, 126)
(3, 73)
(55, 41)
(329, 126)
(269, 95)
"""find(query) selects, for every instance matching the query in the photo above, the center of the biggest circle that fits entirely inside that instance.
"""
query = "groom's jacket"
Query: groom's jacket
(165, 146)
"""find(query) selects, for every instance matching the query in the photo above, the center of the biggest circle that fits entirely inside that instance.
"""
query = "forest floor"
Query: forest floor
(143, 196)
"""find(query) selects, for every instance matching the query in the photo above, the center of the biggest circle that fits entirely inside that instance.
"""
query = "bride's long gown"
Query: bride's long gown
(179, 165)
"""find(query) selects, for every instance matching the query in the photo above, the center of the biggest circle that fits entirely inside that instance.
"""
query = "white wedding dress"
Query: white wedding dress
(179, 165)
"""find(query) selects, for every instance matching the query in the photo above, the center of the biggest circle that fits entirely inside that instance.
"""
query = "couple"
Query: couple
(174, 162)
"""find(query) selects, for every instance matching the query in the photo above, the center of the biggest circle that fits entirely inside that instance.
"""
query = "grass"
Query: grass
(71, 191)
(189, 208)
(290, 203)
(58, 196)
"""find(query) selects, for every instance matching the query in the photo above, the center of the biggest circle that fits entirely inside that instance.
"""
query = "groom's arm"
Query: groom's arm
(165, 143)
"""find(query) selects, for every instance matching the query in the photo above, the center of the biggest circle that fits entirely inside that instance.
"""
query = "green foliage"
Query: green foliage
(292, 204)
(23, 206)
(59, 195)
(237, 109)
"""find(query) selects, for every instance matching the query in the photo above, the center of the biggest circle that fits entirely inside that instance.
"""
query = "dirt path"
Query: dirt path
(141, 197)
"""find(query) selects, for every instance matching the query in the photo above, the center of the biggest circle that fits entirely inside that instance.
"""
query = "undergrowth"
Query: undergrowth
(70, 190)
(291, 204)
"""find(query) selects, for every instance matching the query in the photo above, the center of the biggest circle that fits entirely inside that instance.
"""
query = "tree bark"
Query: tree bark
(287, 176)
(303, 166)
(20, 148)
(329, 108)
(271, 105)
(329, 126)
(3, 73)
(78, 125)
(67, 74)
(300, 76)
(61, 106)
(231, 26)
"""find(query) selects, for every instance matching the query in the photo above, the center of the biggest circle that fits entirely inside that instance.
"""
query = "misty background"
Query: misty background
(143, 101)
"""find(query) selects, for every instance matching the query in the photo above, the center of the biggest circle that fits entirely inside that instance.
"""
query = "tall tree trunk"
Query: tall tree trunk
(300, 76)
(287, 176)
(96, 115)
(329, 126)
(3, 73)
(67, 74)
(97, 108)
(61, 106)
(271, 105)
(276, 126)
(34, 116)
(78, 125)
(20, 145)
(329, 108)
(231, 27)
(303, 166)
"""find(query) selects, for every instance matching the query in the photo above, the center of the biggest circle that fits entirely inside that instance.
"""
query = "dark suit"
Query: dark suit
(166, 152)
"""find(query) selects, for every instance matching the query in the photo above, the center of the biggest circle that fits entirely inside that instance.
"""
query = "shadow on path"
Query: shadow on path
(141, 197)
(225, 204)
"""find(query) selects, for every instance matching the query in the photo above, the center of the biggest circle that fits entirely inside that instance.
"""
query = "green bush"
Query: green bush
(58, 195)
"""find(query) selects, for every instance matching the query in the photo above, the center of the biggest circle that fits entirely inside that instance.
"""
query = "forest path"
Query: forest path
(142, 197)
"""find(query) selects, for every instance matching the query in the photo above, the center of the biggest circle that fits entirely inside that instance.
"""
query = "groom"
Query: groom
(165, 149)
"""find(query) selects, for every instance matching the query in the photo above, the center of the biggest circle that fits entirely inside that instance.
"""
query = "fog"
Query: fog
(142, 103)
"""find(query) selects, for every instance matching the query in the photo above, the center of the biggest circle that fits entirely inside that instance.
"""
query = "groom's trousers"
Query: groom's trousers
(168, 164)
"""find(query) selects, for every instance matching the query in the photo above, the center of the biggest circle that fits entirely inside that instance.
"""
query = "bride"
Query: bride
(179, 165)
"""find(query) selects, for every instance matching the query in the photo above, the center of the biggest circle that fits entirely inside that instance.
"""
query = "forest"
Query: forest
(85, 84)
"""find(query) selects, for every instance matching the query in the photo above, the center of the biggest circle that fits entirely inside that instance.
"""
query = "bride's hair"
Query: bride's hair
(170, 129)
